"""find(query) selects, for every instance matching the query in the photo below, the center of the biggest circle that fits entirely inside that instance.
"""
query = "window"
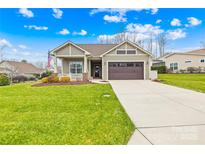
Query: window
(202, 60)
(126, 51)
(129, 52)
(130, 64)
(76, 67)
(120, 52)
(188, 61)
(174, 66)
(122, 64)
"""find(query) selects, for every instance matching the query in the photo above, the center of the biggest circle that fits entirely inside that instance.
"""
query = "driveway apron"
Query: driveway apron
(162, 114)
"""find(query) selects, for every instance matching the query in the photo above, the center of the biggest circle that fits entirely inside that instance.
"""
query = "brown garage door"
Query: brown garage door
(125, 70)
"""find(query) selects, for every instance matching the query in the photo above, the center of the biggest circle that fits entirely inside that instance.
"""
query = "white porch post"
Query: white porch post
(55, 65)
(62, 70)
(89, 67)
(85, 68)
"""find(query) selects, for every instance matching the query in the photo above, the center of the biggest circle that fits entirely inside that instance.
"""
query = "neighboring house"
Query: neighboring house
(15, 68)
(122, 61)
(5, 71)
(181, 61)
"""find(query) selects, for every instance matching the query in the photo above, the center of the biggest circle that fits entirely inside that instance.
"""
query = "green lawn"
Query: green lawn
(77, 114)
(189, 81)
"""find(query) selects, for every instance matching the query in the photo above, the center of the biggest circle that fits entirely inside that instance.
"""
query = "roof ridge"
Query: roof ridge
(96, 44)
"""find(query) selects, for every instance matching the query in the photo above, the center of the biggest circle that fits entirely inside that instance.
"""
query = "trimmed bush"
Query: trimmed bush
(19, 78)
(46, 74)
(44, 80)
(193, 70)
(4, 80)
(160, 69)
(53, 79)
(64, 79)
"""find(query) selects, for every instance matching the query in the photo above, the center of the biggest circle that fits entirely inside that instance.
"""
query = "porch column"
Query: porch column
(55, 65)
(89, 67)
(62, 70)
(85, 69)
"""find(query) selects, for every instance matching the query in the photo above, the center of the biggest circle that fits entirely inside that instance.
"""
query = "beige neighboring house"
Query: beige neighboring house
(181, 61)
(15, 68)
(123, 61)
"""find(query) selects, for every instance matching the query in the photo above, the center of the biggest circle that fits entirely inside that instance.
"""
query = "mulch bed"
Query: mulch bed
(61, 83)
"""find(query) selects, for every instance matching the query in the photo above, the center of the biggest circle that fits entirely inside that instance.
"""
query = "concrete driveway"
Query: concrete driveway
(163, 114)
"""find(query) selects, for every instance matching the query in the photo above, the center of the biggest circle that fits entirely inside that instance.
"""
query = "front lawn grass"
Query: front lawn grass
(189, 81)
(77, 114)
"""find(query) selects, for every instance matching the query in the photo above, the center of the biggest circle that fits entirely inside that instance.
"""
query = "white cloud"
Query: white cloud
(133, 32)
(114, 10)
(158, 21)
(193, 22)
(26, 13)
(119, 15)
(114, 18)
(82, 32)
(176, 34)
(4, 42)
(64, 31)
(57, 13)
(143, 29)
(22, 46)
(175, 22)
(34, 27)
(154, 11)
(123, 36)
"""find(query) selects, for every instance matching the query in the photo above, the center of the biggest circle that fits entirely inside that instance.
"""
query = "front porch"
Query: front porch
(81, 68)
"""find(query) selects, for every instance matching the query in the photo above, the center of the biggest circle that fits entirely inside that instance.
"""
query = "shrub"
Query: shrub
(64, 79)
(19, 78)
(193, 69)
(182, 71)
(46, 74)
(53, 79)
(44, 80)
(160, 69)
(31, 78)
(4, 80)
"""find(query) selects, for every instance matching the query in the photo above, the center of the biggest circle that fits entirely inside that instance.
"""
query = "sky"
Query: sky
(30, 33)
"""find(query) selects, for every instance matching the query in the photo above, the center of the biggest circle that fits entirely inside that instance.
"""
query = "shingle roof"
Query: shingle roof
(96, 49)
(25, 68)
(200, 51)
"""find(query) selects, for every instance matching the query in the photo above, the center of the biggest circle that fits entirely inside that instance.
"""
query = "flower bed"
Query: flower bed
(62, 83)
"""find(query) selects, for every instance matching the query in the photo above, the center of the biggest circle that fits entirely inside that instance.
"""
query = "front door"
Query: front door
(97, 71)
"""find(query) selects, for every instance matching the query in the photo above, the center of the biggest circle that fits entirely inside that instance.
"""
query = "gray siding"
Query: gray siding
(125, 46)
(112, 56)
(65, 64)
(70, 50)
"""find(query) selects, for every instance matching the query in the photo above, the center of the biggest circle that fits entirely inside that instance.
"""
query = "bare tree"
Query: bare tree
(40, 64)
(202, 44)
(162, 42)
(1, 52)
(150, 43)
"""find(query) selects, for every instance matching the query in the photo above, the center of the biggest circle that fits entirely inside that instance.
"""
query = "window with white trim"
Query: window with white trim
(76, 67)
(121, 52)
(126, 51)
(174, 66)
(131, 52)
